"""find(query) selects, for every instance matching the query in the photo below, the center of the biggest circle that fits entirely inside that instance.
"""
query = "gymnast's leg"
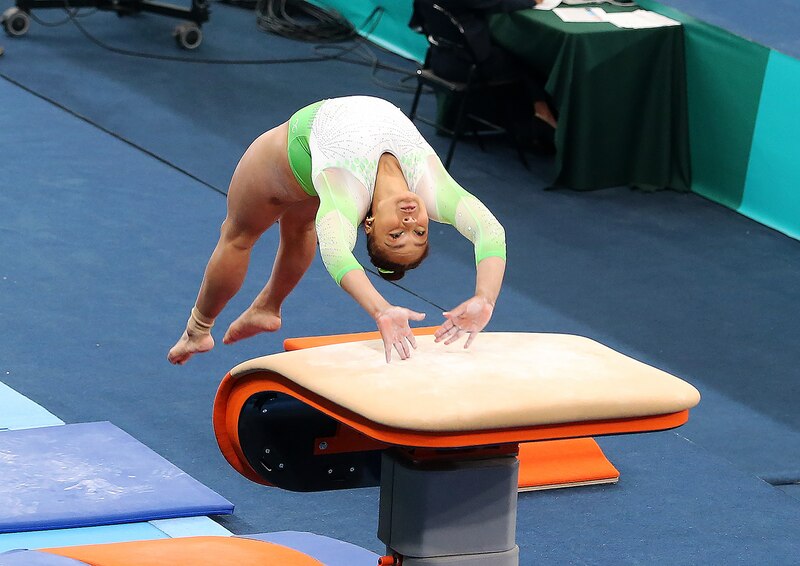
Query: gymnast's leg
(252, 208)
(296, 251)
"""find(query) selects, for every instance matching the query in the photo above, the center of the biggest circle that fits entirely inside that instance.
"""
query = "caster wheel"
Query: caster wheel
(188, 35)
(16, 22)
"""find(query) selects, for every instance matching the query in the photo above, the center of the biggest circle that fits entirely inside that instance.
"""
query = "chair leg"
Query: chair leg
(457, 128)
(413, 113)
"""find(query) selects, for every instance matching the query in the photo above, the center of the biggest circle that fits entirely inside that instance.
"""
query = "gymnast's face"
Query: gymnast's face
(399, 227)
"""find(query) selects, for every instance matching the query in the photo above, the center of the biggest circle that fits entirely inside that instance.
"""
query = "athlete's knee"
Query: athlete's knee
(235, 236)
(299, 237)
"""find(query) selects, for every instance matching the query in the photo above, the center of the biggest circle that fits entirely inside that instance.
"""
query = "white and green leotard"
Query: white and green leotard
(334, 147)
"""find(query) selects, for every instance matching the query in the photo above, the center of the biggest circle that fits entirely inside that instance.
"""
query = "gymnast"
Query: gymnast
(334, 165)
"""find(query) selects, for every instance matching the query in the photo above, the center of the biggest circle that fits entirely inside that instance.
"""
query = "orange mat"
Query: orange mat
(573, 462)
(543, 465)
(189, 551)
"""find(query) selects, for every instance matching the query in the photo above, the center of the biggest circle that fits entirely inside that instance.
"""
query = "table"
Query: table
(620, 96)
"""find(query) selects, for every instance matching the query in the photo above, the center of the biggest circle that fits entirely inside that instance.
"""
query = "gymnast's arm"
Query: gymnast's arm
(337, 222)
(448, 202)
(472, 316)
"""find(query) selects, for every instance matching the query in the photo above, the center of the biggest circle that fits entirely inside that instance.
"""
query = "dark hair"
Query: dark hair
(387, 269)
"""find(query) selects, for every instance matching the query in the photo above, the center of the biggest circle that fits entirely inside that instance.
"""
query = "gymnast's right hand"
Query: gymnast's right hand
(396, 333)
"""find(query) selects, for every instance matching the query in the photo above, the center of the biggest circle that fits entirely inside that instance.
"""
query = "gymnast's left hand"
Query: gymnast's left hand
(396, 333)
(470, 317)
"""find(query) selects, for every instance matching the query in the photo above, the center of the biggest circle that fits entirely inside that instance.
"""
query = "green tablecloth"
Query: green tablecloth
(620, 96)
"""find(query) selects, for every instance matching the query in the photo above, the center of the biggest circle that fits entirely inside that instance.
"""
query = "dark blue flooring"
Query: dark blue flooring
(110, 199)
(773, 24)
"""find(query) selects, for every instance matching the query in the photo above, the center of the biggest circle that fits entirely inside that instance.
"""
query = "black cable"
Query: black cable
(302, 21)
(290, 19)
(246, 4)
(74, 11)
(275, 17)
(329, 22)
(160, 57)
(369, 59)
(409, 291)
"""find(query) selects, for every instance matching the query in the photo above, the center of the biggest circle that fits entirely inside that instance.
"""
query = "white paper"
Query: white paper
(580, 14)
(547, 5)
(640, 19)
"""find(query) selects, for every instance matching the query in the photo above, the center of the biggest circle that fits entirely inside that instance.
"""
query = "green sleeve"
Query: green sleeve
(461, 209)
(337, 223)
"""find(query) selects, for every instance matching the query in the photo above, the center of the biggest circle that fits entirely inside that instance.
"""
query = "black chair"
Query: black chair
(451, 37)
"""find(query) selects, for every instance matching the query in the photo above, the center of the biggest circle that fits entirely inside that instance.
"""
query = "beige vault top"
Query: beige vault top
(504, 380)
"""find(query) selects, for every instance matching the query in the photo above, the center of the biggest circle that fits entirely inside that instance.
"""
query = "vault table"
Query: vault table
(445, 426)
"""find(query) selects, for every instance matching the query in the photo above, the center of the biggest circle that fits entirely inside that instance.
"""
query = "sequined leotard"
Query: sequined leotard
(334, 149)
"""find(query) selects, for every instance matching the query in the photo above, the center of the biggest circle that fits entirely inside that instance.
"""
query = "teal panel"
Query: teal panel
(388, 27)
(73, 537)
(17, 411)
(724, 76)
(772, 189)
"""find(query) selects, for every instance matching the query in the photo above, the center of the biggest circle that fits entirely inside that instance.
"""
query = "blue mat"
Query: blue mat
(34, 558)
(55, 538)
(92, 474)
(17, 411)
(329, 551)
(156, 529)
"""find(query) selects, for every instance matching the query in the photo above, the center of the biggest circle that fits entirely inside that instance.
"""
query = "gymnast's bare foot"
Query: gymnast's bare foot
(251, 322)
(188, 345)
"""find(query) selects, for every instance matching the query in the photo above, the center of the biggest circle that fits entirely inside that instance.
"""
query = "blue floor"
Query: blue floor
(114, 170)
(772, 24)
